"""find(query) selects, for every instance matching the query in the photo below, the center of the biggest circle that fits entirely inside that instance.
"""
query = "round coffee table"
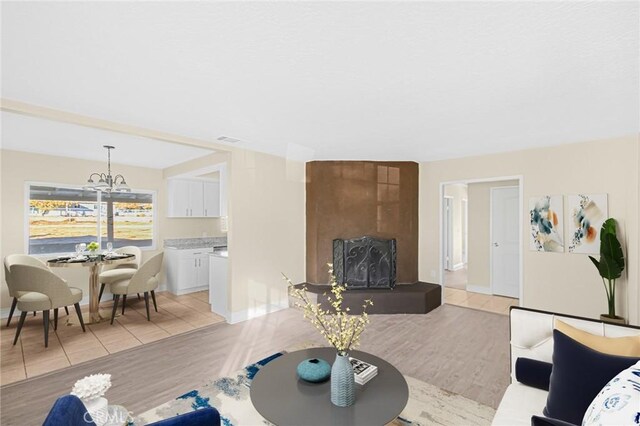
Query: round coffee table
(283, 399)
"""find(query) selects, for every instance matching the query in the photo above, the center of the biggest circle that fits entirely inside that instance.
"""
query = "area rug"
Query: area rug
(427, 405)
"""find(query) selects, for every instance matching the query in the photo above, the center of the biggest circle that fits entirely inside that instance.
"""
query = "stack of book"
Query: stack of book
(363, 371)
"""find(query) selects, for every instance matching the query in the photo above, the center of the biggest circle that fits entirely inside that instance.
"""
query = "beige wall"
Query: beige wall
(561, 282)
(479, 195)
(266, 230)
(20, 167)
(457, 192)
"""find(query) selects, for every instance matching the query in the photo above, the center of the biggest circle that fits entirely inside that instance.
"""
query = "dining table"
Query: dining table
(93, 261)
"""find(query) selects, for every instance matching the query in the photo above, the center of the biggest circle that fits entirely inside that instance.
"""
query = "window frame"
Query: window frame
(27, 199)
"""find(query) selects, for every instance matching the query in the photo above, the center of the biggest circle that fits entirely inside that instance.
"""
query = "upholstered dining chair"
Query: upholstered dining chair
(145, 280)
(121, 271)
(44, 291)
(19, 259)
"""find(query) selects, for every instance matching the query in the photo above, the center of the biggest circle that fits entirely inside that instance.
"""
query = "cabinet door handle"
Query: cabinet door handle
(195, 263)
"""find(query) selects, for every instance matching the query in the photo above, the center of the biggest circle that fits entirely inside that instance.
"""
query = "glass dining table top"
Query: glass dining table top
(89, 259)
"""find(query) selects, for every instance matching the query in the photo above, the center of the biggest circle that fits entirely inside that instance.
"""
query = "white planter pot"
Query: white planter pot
(98, 409)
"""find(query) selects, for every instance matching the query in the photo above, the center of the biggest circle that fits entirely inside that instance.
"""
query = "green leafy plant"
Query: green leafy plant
(93, 246)
(611, 263)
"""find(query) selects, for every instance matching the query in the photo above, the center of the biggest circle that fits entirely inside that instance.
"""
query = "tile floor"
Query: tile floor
(483, 302)
(456, 279)
(69, 345)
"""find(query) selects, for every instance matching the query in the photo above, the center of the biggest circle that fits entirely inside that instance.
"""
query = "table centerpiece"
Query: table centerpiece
(341, 329)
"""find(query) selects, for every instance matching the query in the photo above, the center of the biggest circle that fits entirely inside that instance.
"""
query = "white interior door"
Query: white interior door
(505, 248)
(448, 233)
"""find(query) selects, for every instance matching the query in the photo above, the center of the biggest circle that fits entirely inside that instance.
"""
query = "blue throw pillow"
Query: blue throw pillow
(577, 376)
(534, 373)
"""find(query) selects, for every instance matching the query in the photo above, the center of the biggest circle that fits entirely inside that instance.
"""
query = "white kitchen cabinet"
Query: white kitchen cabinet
(211, 192)
(194, 198)
(218, 283)
(178, 198)
(187, 270)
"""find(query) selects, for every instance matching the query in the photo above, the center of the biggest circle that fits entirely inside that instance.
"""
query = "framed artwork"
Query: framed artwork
(587, 212)
(546, 224)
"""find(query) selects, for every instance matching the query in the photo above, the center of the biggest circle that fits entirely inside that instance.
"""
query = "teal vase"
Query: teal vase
(343, 385)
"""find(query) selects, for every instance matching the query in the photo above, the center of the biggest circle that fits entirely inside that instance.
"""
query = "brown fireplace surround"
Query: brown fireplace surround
(351, 199)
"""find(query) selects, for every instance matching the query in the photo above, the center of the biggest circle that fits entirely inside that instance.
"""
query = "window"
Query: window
(61, 217)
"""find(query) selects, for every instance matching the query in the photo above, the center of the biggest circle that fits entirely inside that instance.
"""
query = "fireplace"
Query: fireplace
(365, 262)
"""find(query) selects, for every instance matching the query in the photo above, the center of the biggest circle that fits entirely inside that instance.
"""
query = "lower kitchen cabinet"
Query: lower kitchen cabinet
(187, 271)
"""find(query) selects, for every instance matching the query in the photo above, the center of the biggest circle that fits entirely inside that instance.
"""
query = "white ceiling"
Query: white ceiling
(24, 133)
(336, 80)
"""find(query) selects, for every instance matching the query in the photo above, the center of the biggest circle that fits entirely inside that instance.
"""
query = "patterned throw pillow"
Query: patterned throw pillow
(619, 401)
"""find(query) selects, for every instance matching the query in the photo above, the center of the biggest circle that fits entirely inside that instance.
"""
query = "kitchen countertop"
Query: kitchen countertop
(195, 243)
(220, 253)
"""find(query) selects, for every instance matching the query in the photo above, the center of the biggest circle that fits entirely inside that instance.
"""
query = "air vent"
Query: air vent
(228, 139)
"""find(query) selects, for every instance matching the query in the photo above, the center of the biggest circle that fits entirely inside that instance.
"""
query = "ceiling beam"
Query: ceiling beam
(18, 107)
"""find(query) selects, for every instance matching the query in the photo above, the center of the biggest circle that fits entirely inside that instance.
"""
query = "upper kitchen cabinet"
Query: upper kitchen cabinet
(212, 199)
(194, 198)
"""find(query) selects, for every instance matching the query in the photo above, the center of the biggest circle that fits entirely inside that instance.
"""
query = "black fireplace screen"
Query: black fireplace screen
(365, 262)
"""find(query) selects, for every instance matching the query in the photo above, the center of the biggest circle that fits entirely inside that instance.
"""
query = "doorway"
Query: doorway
(455, 272)
(484, 270)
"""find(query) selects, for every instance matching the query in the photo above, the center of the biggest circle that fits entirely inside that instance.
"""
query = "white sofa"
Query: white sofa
(532, 337)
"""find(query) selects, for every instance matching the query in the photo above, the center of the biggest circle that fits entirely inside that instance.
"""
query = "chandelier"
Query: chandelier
(106, 182)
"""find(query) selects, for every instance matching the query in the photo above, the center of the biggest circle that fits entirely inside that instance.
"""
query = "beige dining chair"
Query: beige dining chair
(145, 280)
(19, 259)
(120, 271)
(44, 291)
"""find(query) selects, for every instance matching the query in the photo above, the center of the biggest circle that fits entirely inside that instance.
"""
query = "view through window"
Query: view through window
(61, 217)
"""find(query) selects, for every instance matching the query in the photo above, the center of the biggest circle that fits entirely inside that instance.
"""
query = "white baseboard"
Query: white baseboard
(458, 266)
(258, 311)
(190, 290)
(478, 289)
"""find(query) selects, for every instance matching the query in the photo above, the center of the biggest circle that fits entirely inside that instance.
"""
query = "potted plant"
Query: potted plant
(610, 267)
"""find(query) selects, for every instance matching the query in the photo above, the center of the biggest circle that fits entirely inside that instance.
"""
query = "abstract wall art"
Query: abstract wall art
(546, 223)
(587, 212)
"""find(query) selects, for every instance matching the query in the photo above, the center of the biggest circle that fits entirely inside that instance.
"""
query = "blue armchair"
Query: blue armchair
(68, 410)
(202, 417)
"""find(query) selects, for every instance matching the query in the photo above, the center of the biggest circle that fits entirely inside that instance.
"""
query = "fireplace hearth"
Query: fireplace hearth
(365, 262)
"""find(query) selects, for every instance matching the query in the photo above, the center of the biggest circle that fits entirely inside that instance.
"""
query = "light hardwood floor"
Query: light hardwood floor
(483, 302)
(458, 349)
(70, 346)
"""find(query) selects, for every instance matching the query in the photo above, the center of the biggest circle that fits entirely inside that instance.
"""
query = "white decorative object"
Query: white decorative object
(91, 390)
(98, 409)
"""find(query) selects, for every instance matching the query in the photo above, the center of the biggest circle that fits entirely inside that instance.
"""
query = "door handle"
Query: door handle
(496, 245)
